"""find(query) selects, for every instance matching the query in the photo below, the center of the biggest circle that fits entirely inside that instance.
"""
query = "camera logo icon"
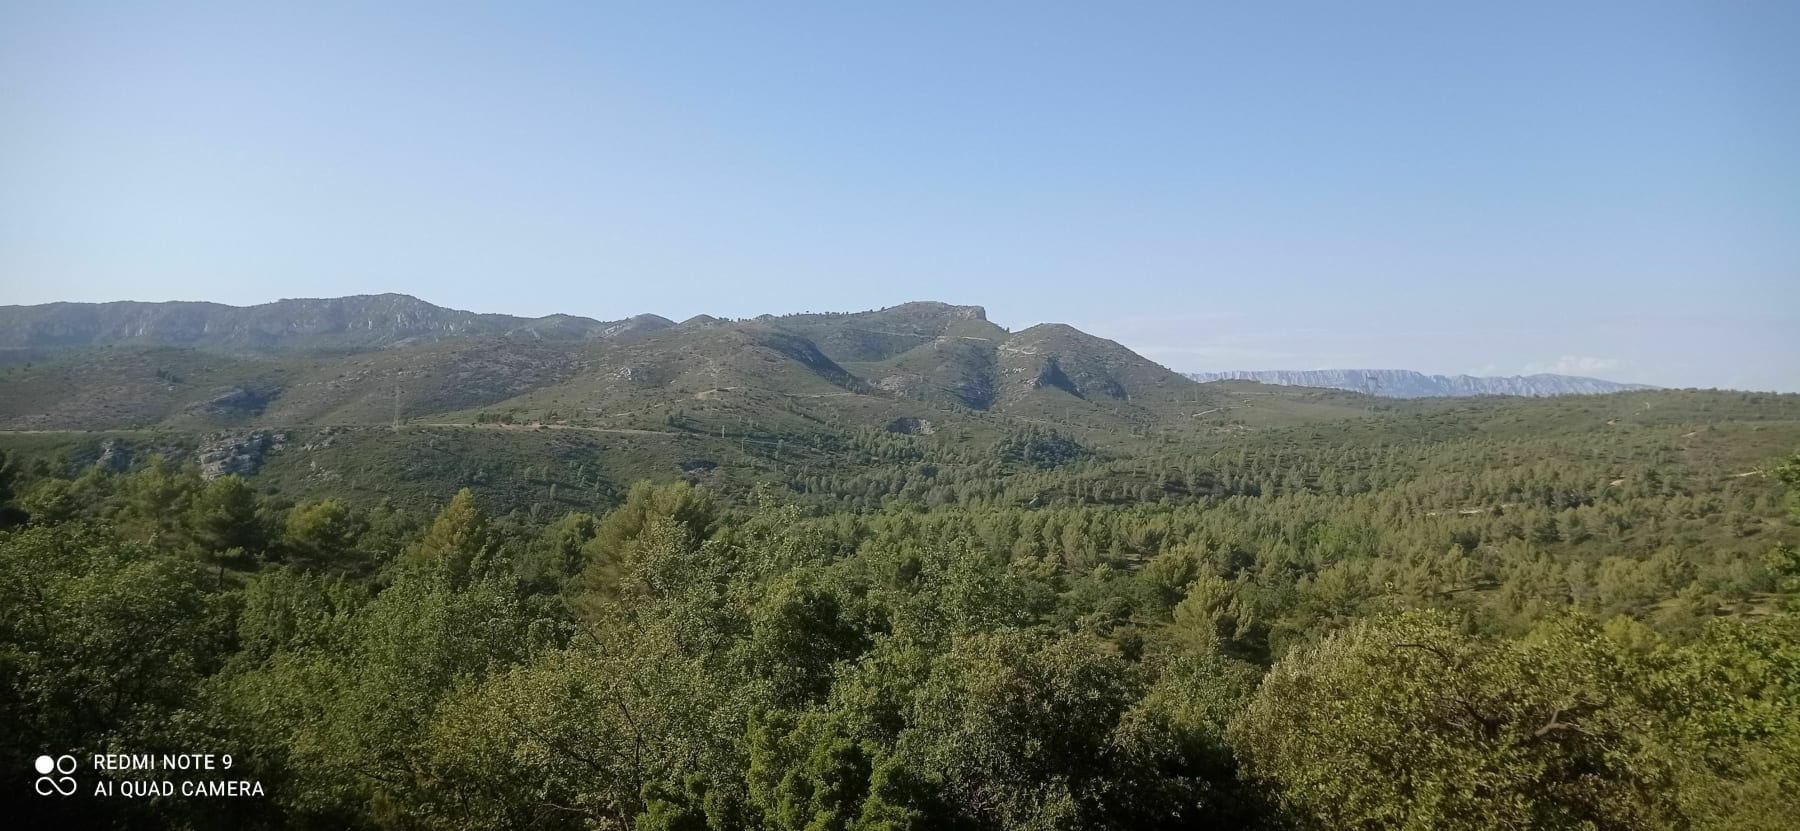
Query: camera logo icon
(54, 778)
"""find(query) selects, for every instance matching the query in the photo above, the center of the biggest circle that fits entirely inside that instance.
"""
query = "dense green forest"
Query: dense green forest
(1470, 617)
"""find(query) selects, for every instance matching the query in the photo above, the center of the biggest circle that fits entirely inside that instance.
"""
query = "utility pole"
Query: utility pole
(396, 406)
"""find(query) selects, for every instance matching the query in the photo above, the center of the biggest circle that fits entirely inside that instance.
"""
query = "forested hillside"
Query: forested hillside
(898, 569)
(1565, 613)
(713, 502)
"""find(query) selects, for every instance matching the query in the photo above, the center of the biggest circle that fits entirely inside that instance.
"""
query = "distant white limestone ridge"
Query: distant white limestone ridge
(1404, 383)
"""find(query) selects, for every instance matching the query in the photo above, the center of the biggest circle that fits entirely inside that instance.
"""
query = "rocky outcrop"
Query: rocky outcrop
(237, 454)
(912, 426)
(114, 456)
(639, 324)
(1403, 383)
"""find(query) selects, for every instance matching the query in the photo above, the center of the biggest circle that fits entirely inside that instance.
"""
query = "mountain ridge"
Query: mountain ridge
(377, 359)
(364, 321)
(1406, 383)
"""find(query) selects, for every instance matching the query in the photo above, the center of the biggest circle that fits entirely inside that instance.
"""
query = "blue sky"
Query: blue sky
(1604, 188)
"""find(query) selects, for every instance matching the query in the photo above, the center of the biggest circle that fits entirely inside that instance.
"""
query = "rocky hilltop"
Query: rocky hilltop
(1404, 383)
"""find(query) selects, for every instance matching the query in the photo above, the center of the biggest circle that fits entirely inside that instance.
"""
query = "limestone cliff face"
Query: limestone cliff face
(1403, 383)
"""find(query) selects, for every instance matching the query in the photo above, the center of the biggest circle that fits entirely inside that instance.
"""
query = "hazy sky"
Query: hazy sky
(1599, 188)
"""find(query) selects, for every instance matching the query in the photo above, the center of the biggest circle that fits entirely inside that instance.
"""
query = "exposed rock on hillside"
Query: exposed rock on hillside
(237, 454)
(912, 426)
(114, 456)
(635, 325)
